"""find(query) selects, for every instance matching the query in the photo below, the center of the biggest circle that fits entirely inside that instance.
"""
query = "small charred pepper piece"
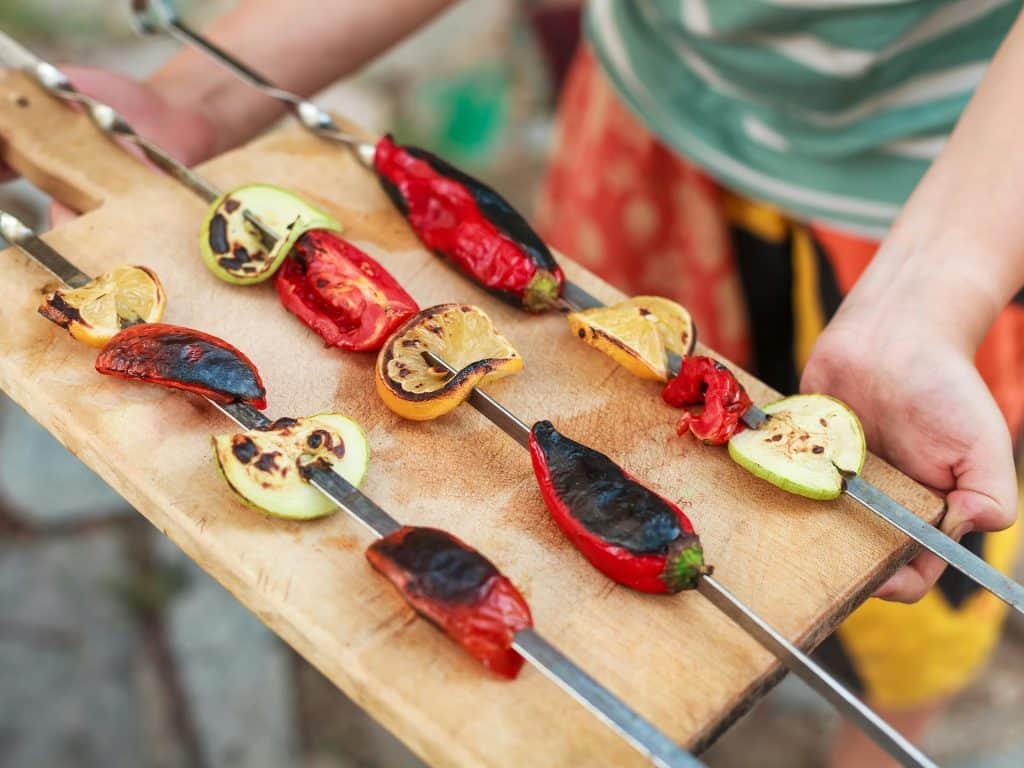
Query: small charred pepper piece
(458, 590)
(342, 294)
(627, 531)
(466, 221)
(706, 382)
(181, 358)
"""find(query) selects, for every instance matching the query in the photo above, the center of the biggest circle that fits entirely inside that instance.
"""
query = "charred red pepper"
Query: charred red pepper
(458, 590)
(466, 221)
(705, 382)
(627, 531)
(181, 358)
(346, 297)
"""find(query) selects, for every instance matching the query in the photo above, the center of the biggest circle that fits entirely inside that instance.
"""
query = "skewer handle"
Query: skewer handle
(155, 16)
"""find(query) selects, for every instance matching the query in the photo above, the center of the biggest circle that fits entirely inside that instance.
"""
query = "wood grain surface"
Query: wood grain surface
(803, 565)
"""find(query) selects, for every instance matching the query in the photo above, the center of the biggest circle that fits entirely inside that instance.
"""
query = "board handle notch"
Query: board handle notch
(59, 150)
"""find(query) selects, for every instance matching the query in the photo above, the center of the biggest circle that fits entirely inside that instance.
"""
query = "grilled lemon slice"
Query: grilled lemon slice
(101, 309)
(460, 334)
(638, 333)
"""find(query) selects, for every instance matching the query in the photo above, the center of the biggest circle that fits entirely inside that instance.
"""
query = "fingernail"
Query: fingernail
(962, 530)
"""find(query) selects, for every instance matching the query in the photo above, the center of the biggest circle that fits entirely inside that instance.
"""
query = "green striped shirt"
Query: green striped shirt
(830, 109)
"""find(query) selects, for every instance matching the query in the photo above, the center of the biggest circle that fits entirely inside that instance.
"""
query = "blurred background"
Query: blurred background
(116, 650)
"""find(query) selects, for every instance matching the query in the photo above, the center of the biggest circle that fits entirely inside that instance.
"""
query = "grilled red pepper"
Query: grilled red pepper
(458, 590)
(181, 358)
(466, 221)
(706, 382)
(628, 532)
(349, 299)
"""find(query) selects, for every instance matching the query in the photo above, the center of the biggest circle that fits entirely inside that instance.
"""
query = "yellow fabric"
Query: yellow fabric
(808, 315)
(907, 656)
(759, 219)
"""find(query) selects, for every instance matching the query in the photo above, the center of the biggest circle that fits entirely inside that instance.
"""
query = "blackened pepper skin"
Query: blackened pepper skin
(458, 590)
(466, 221)
(631, 534)
(181, 358)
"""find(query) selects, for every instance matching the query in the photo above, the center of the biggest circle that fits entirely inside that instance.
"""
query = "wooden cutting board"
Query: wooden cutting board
(803, 565)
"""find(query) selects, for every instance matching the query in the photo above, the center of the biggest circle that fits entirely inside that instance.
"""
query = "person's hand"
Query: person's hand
(187, 134)
(909, 375)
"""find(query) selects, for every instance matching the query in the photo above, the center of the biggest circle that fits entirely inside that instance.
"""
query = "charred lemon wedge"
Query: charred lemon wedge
(104, 307)
(460, 334)
(231, 244)
(268, 467)
(805, 446)
(638, 333)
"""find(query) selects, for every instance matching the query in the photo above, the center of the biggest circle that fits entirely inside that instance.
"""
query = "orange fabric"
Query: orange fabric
(1000, 360)
(849, 254)
(638, 215)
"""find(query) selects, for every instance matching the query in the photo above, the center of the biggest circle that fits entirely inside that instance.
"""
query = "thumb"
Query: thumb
(985, 496)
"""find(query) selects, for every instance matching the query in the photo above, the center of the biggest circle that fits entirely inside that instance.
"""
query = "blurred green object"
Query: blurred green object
(74, 21)
(41, 21)
(461, 116)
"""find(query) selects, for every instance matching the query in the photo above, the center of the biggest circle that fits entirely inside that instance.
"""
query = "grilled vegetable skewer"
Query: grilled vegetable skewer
(159, 15)
(439, 576)
(358, 295)
(813, 445)
(601, 550)
(481, 233)
(575, 296)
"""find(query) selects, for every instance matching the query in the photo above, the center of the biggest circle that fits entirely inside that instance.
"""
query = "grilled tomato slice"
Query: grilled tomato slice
(342, 294)
(268, 467)
(638, 333)
(713, 397)
(231, 244)
(104, 307)
(460, 334)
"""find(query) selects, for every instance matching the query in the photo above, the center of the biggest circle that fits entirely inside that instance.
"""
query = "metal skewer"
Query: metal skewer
(108, 120)
(884, 735)
(155, 16)
(159, 15)
(598, 700)
(928, 536)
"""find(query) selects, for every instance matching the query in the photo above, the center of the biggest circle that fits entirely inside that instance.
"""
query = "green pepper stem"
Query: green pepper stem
(685, 564)
(541, 293)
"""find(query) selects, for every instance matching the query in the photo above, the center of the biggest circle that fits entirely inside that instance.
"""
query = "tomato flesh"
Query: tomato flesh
(341, 293)
(714, 399)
